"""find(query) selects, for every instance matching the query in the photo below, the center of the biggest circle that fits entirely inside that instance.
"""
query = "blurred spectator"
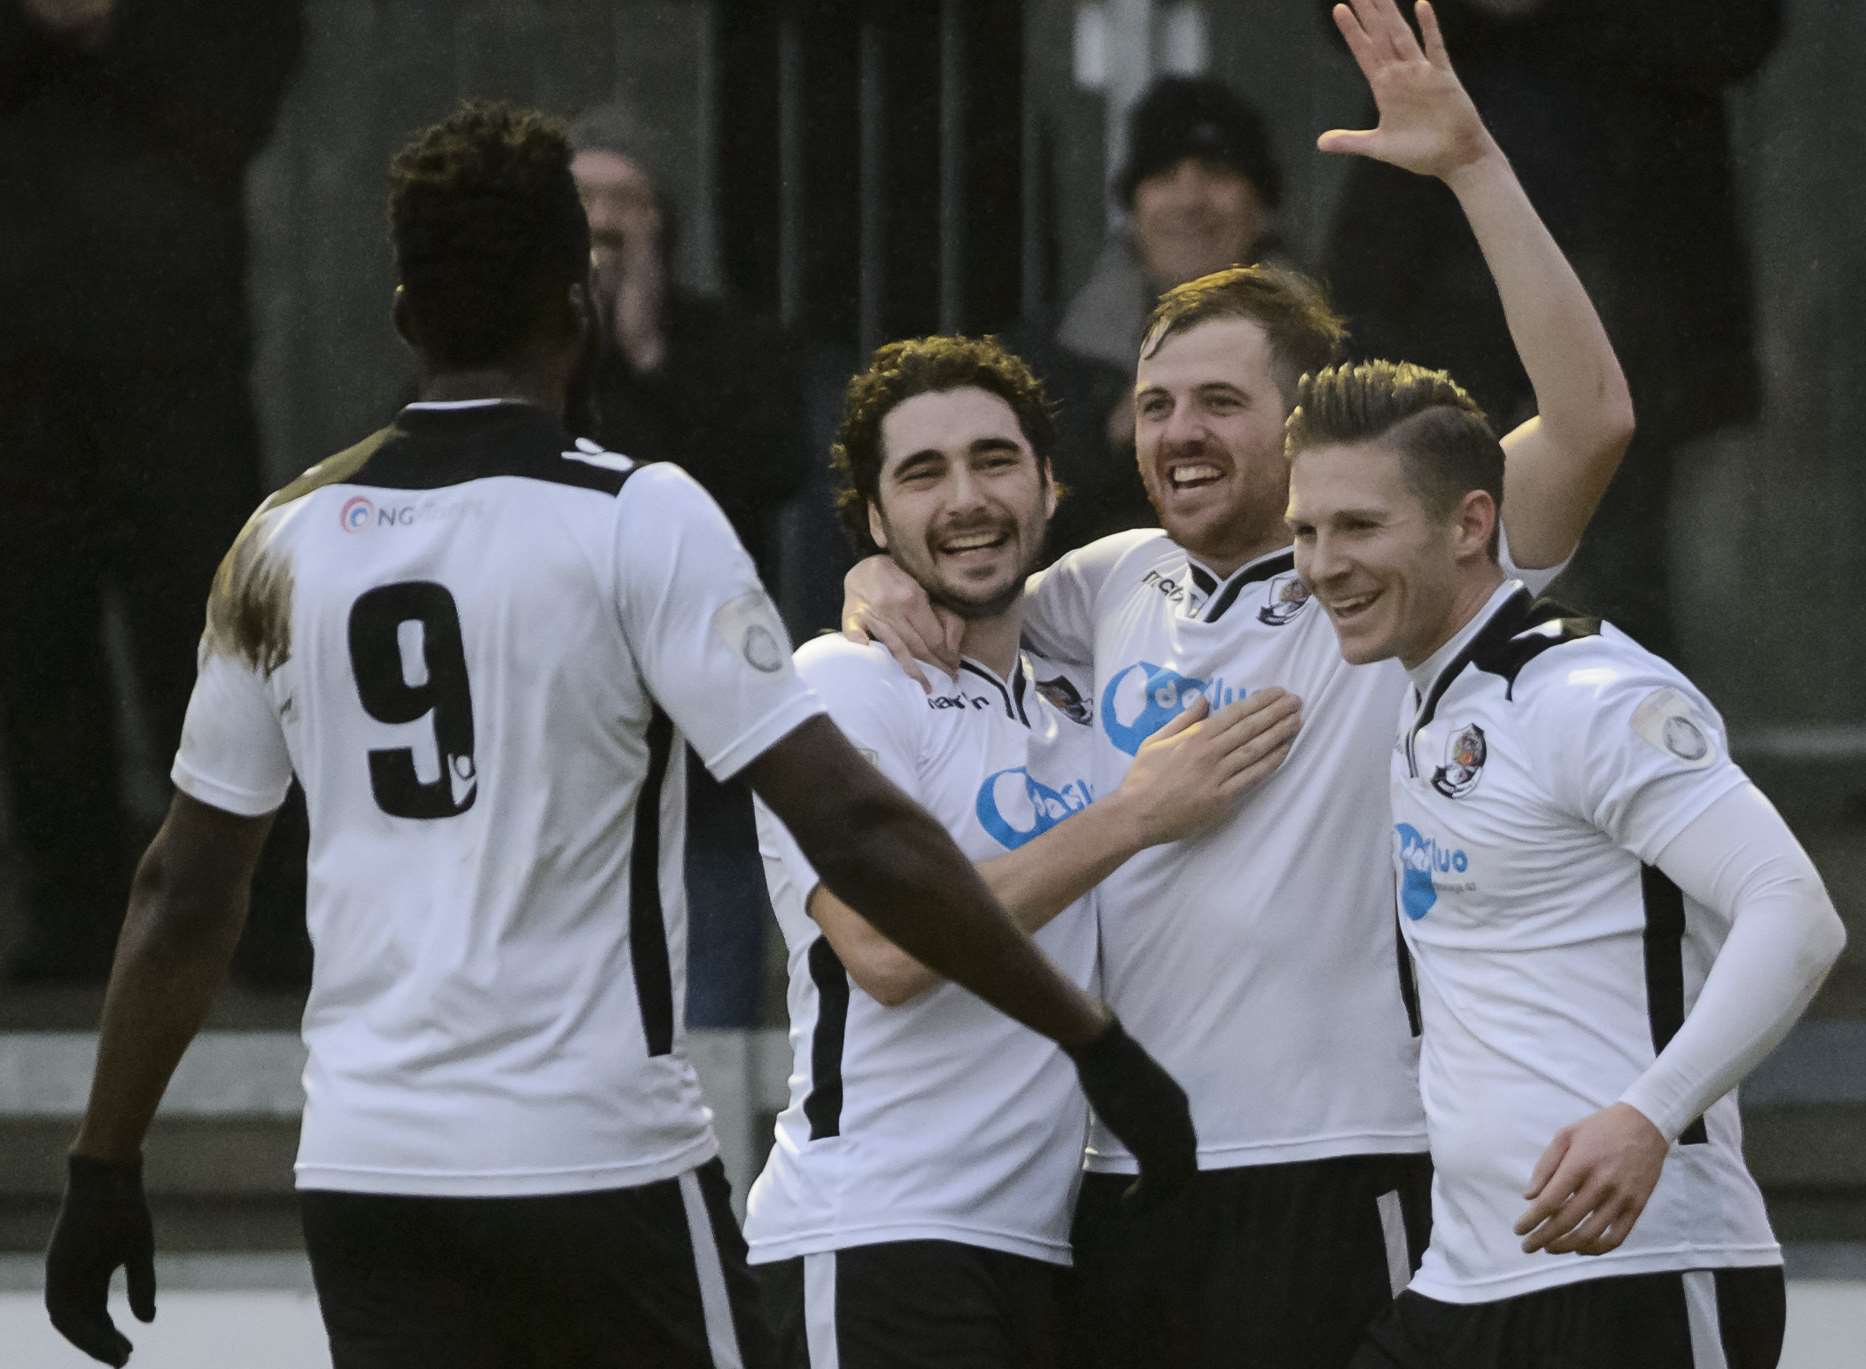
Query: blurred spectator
(1201, 187)
(129, 452)
(1613, 116)
(698, 381)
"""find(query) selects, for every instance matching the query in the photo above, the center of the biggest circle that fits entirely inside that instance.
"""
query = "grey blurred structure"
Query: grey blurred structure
(867, 170)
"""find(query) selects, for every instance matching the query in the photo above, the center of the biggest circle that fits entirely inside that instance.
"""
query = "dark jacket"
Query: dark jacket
(122, 175)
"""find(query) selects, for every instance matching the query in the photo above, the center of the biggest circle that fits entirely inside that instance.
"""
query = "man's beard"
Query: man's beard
(974, 609)
(971, 609)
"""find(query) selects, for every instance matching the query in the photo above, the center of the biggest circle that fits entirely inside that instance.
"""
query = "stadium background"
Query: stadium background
(804, 145)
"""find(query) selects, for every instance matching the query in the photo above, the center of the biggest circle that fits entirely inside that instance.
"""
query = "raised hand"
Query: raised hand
(1428, 124)
(1592, 1183)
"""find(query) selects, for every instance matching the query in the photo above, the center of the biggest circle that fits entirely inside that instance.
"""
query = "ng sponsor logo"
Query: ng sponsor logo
(356, 514)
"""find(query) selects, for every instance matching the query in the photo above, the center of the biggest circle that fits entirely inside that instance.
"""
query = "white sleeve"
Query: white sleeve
(1633, 749)
(1536, 580)
(232, 752)
(1060, 603)
(861, 689)
(709, 641)
(1739, 859)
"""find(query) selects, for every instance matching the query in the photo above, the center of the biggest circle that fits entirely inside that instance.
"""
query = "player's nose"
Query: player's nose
(1185, 429)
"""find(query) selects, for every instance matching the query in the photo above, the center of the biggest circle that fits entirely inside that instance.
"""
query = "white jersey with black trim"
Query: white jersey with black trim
(1259, 961)
(938, 1118)
(481, 646)
(1545, 761)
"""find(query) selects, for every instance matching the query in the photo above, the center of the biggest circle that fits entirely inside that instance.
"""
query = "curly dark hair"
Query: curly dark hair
(896, 373)
(1305, 334)
(487, 230)
(1445, 444)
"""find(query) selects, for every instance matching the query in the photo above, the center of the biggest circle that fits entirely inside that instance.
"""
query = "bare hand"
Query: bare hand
(1187, 775)
(1592, 1183)
(883, 603)
(1428, 124)
(633, 277)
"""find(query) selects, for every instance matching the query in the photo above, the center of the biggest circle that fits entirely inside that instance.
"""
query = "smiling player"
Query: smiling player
(1611, 925)
(1261, 958)
(915, 1209)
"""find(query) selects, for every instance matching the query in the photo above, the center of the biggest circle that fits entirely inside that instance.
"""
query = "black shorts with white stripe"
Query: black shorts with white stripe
(652, 1277)
(914, 1305)
(1256, 1267)
(1696, 1319)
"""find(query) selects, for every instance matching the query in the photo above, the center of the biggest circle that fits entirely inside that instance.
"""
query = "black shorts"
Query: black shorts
(915, 1305)
(1698, 1319)
(652, 1277)
(1256, 1267)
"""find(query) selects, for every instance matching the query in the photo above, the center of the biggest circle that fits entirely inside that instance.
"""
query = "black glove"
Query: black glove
(1143, 1106)
(103, 1223)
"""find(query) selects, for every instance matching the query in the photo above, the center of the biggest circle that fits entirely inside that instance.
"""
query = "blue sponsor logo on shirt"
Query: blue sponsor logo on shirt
(1013, 808)
(1420, 857)
(1144, 697)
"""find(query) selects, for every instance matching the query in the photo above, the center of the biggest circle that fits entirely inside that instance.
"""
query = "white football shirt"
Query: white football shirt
(1259, 961)
(481, 645)
(1545, 761)
(938, 1118)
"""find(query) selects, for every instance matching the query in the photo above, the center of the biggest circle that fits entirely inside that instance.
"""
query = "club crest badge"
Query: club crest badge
(1465, 754)
(1065, 698)
(1284, 597)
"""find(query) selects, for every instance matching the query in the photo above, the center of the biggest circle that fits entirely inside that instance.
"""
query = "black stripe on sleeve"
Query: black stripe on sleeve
(824, 1105)
(647, 927)
(1665, 969)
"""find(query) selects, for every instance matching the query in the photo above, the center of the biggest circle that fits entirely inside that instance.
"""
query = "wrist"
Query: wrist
(1098, 1026)
(1486, 167)
(112, 1178)
(1119, 823)
(1648, 1111)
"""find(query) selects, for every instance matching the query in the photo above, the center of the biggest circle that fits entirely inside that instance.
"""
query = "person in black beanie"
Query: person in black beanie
(1201, 186)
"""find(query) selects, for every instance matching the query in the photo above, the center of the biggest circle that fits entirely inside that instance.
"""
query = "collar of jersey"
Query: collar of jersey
(437, 411)
(459, 403)
(1426, 674)
(1221, 593)
(1013, 691)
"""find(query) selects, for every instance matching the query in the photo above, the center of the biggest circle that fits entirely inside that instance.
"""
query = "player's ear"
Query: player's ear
(1476, 522)
(404, 322)
(877, 529)
(1050, 492)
